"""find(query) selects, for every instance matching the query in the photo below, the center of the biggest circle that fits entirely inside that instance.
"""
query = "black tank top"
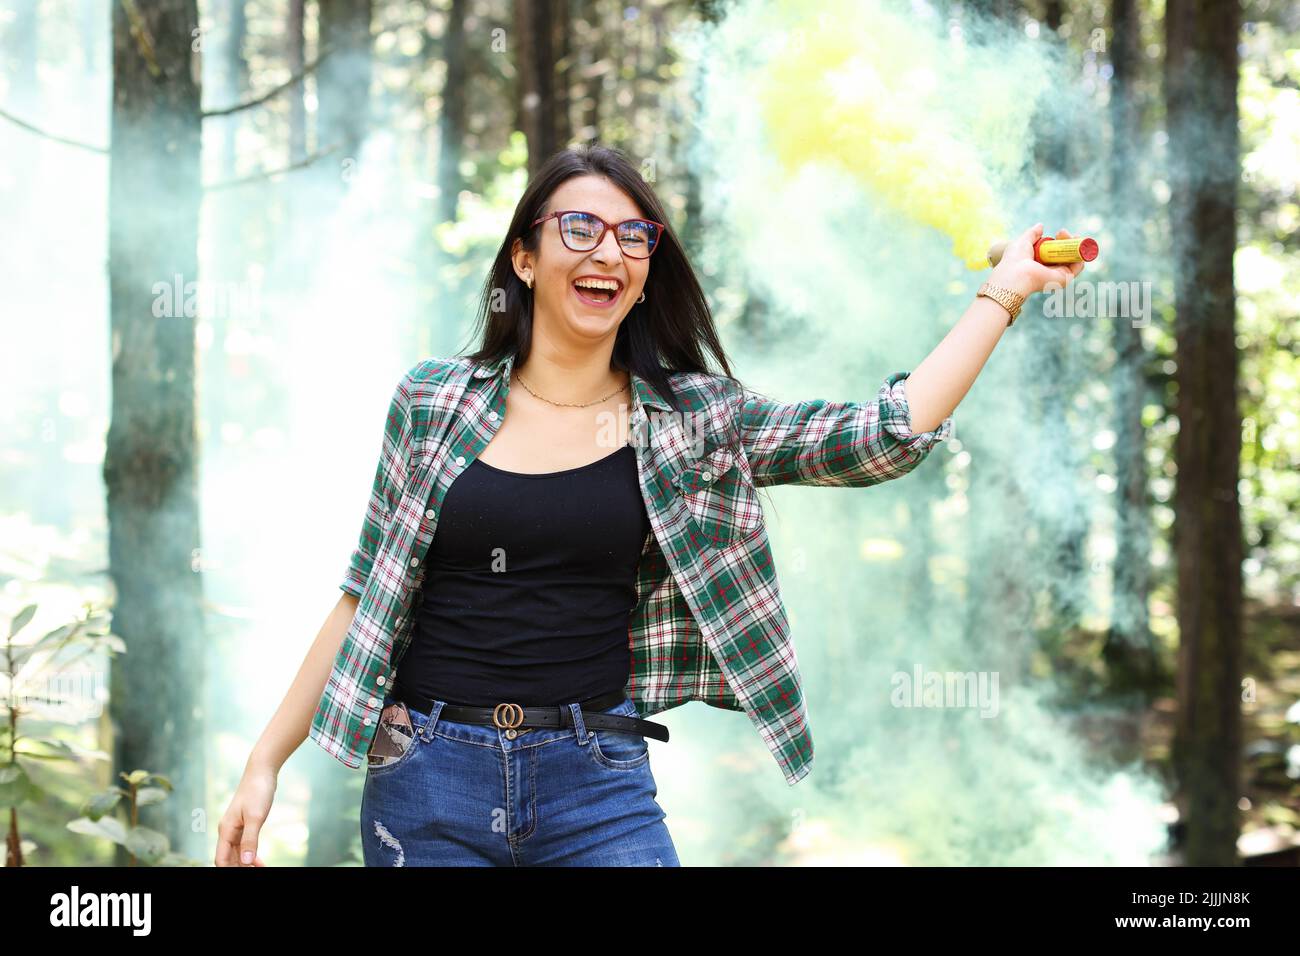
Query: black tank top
(529, 586)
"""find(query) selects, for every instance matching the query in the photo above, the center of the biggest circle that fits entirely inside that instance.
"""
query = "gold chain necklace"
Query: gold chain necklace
(569, 404)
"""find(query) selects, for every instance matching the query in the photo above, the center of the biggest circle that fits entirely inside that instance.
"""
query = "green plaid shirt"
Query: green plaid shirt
(709, 623)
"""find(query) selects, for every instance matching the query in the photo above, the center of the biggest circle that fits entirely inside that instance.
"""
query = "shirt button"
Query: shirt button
(374, 701)
(707, 476)
(414, 562)
(460, 459)
(492, 416)
(367, 721)
(381, 680)
(430, 513)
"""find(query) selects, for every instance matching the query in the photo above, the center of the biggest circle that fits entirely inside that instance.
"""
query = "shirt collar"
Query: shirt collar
(642, 391)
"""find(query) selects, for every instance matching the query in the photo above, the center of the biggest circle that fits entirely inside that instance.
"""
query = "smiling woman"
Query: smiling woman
(544, 582)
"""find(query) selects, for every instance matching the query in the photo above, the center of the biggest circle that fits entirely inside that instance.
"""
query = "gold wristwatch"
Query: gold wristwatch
(1011, 301)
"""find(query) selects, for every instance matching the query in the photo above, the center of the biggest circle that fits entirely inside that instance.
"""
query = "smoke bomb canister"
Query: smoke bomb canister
(1053, 252)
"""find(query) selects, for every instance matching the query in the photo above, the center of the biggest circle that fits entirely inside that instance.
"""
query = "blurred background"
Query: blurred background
(228, 227)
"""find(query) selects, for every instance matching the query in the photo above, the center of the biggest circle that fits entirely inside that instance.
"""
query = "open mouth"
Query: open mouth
(598, 297)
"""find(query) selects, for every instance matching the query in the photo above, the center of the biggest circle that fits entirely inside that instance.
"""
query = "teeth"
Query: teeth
(607, 284)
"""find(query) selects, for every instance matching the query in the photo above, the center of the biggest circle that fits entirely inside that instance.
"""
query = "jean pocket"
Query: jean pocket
(394, 741)
(619, 749)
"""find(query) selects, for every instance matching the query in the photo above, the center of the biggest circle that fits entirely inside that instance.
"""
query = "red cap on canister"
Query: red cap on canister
(1088, 249)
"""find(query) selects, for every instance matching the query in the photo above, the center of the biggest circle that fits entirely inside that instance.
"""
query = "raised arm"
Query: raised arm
(943, 378)
(845, 444)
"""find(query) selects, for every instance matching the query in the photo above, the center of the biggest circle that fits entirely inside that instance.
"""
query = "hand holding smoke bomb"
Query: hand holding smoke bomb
(1033, 260)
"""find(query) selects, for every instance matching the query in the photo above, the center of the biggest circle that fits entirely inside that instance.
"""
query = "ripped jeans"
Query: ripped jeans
(462, 794)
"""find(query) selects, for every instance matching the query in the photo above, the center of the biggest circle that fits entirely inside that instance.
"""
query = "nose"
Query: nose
(609, 251)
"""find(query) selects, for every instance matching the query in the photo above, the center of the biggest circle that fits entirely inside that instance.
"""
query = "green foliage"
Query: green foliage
(145, 845)
(23, 665)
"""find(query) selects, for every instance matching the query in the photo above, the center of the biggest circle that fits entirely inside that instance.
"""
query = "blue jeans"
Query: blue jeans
(464, 794)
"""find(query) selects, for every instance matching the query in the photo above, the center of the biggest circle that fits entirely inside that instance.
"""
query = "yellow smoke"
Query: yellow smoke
(922, 121)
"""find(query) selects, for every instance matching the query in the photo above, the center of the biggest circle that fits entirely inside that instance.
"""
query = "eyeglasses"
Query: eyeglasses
(583, 231)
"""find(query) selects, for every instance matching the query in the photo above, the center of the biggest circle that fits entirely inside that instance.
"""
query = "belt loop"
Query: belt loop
(427, 730)
(578, 725)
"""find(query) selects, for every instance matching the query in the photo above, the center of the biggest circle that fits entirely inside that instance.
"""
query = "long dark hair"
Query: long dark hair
(666, 334)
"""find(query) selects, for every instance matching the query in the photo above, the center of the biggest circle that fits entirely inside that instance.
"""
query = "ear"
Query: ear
(521, 259)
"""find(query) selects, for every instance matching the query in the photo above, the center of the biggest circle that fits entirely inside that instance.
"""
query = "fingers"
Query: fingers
(1068, 272)
(227, 837)
(1075, 267)
(1021, 247)
(237, 845)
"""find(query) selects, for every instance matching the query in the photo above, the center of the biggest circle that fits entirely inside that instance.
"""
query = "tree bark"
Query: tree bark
(1201, 104)
(536, 67)
(561, 28)
(343, 79)
(452, 119)
(157, 702)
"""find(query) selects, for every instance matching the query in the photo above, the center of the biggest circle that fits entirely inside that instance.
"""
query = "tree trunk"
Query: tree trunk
(150, 463)
(343, 118)
(343, 79)
(536, 66)
(1061, 378)
(595, 60)
(452, 120)
(229, 80)
(294, 42)
(1201, 104)
(1130, 652)
(1053, 15)
(232, 220)
(561, 29)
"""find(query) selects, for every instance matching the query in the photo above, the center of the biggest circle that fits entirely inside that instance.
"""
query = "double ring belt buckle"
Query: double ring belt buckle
(508, 717)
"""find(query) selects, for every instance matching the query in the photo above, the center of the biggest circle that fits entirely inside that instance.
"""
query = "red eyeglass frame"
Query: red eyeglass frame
(605, 227)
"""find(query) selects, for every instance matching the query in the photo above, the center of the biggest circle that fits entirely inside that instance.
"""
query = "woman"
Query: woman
(577, 589)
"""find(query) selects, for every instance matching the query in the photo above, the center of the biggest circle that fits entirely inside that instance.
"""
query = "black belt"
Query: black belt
(515, 719)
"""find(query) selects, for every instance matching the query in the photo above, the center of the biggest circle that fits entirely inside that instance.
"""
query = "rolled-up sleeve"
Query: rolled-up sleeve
(841, 444)
(385, 488)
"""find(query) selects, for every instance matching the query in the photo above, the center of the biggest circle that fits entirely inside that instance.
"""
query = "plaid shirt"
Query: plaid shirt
(709, 623)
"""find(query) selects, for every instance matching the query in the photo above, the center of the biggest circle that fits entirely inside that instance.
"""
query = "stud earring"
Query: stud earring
(529, 280)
